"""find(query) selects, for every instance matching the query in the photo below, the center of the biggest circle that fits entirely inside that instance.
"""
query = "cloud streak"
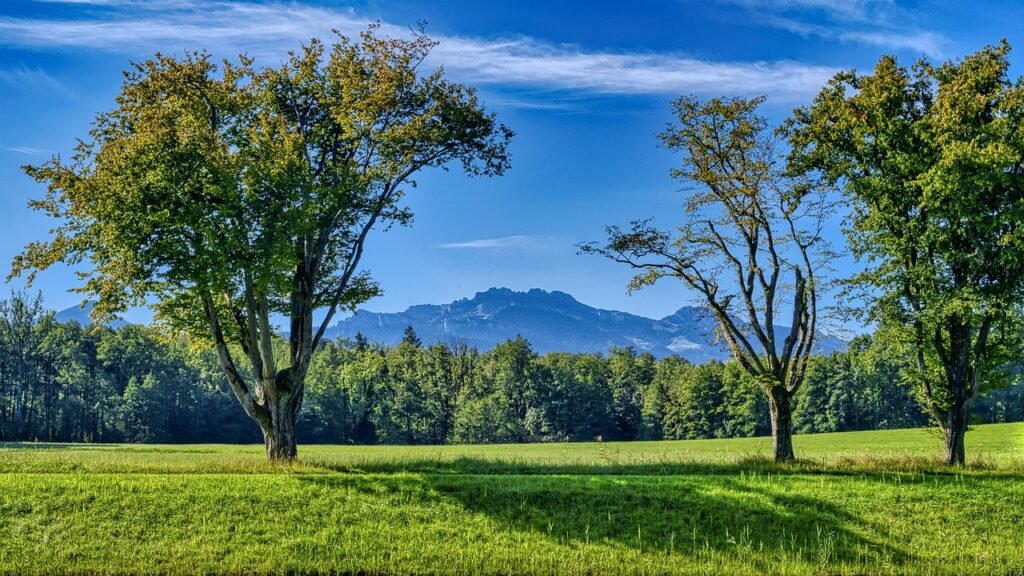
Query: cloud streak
(26, 78)
(847, 10)
(25, 150)
(503, 243)
(268, 30)
(927, 43)
(526, 61)
(870, 22)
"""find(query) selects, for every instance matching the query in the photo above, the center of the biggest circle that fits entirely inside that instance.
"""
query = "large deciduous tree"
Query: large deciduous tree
(931, 162)
(226, 195)
(749, 246)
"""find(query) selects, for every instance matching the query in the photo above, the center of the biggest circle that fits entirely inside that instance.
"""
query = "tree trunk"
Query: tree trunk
(279, 437)
(19, 404)
(781, 406)
(283, 407)
(954, 428)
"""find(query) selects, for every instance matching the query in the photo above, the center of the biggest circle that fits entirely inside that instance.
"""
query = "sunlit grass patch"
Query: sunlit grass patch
(873, 505)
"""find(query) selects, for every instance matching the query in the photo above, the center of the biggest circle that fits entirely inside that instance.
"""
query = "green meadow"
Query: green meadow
(856, 503)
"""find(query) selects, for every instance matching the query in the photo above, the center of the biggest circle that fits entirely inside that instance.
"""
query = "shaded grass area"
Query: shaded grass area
(648, 508)
(415, 524)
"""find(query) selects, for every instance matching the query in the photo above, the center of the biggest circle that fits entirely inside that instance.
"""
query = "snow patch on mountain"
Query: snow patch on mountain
(680, 344)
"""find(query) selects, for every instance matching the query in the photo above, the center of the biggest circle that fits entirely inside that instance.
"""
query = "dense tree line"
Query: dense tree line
(65, 382)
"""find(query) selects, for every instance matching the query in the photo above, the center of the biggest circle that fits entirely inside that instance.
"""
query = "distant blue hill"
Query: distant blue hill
(81, 315)
(552, 322)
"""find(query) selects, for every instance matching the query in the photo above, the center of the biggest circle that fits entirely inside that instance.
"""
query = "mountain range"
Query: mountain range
(551, 322)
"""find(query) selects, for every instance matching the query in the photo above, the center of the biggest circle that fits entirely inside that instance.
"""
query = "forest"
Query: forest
(62, 382)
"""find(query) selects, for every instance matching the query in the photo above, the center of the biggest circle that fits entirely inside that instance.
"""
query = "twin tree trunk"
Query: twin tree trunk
(279, 435)
(780, 405)
(283, 395)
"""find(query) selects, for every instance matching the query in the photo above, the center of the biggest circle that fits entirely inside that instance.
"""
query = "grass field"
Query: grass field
(865, 502)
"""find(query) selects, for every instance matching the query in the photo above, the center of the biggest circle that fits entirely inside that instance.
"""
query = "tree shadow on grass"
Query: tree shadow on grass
(755, 520)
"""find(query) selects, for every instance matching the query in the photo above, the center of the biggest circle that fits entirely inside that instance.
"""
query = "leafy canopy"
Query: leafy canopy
(233, 180)
(747, 227)
(930, 160)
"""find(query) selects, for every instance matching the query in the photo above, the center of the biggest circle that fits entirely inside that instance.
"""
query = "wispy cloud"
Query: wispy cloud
(849, 10)
(151, 3)
(505, 242)
(928, 43)
(25, 150)
(91, 2)
(268, 30)
(880, 23)
(526, 61)
(25, 78)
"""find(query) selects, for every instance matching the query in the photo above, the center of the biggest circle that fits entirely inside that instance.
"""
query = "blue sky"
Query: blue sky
(585, 84)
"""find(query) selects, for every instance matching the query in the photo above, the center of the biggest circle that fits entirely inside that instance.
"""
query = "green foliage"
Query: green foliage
(652, 414)
(409, 337)
(629, 375)
(224, 194)
(575, 400)
(497, 403)
(931, 162)
(714, 400)
(859, 389)
(97, 384)
(343, 389)
(694, 402)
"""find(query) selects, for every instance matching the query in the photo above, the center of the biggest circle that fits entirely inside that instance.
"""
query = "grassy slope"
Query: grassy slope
(864, 503)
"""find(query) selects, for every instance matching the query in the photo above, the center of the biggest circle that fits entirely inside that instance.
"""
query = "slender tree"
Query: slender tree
(229, 194)
(746, 226)
(360, 342)
(931, 162)
(409, 337)
(23, 326)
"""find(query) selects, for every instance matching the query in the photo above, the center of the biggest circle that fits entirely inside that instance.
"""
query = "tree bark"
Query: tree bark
(780, 404)
(279, 441)
(279, 436)
(954, 428)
